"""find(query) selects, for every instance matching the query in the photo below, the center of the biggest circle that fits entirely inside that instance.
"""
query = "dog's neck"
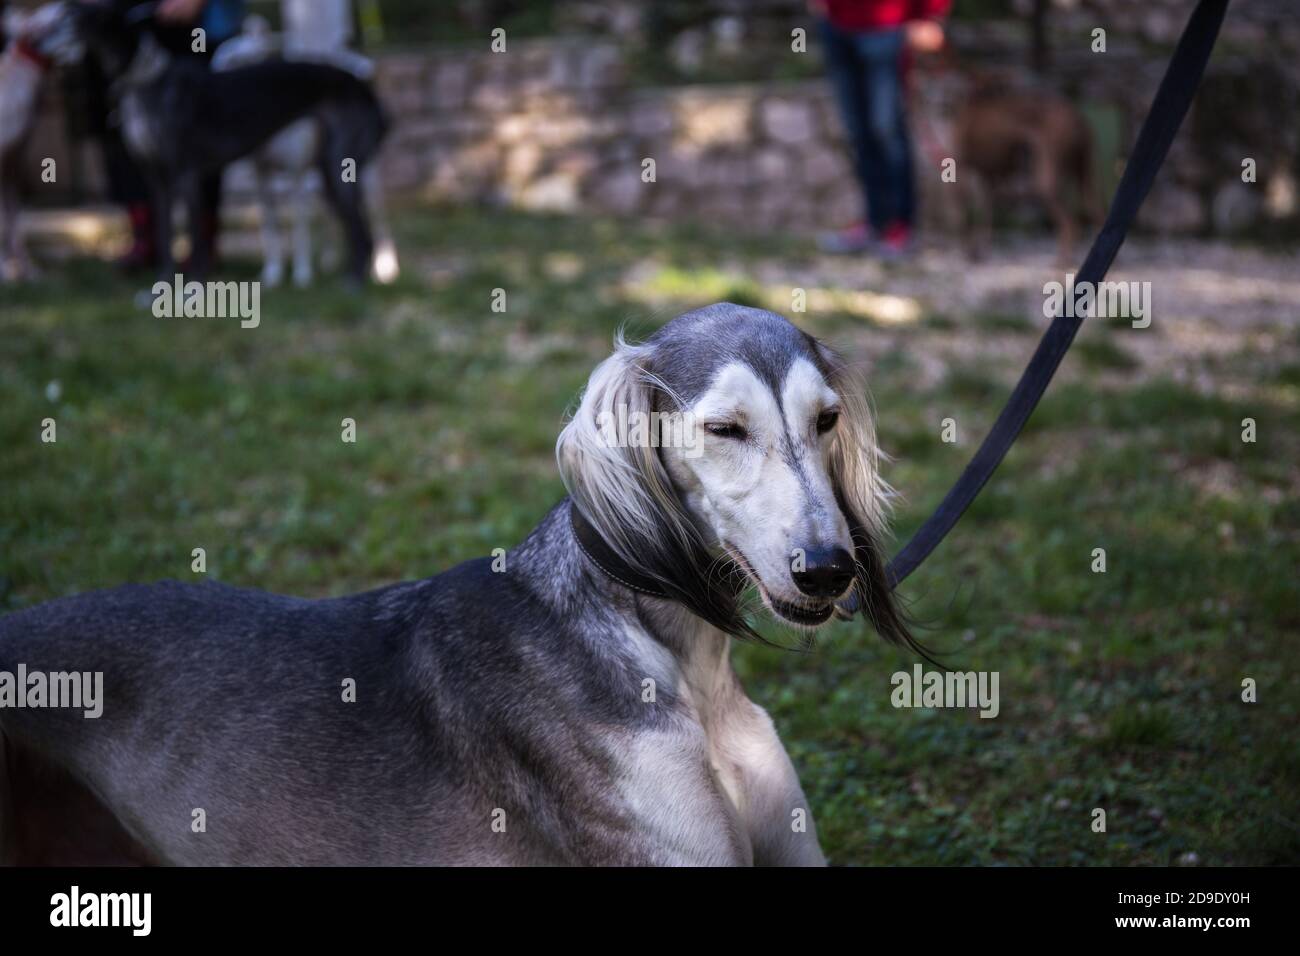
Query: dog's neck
(702, 651)
(557, 565)
(604, 557)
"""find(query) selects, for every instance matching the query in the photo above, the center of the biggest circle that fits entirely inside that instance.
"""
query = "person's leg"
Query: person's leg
(161, 202)
(127, 186)
(844, 70)
(906, 211)
(893, 188)
(207, 230)
(210, 216)
(126, 182)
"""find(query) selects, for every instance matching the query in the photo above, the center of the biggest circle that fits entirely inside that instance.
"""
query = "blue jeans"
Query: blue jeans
(866, 73)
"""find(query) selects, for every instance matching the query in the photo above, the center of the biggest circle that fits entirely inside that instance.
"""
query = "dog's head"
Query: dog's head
(732, 447)
(111, 30)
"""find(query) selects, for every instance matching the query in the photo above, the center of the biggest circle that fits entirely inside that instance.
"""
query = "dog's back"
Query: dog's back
(350, 113)
(187, 668)
(999, 128)
(294, 148)
(381, 722)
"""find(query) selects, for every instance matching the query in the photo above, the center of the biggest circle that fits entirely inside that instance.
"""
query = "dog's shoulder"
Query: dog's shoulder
(479, 596)
(283, 74)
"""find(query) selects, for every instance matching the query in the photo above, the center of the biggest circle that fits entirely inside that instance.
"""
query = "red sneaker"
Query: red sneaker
(854, 238)
(141, 256)
(896, 242)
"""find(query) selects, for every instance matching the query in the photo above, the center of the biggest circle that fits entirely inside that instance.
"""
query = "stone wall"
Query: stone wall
(557, 125)
(565, 133)
(564, 124)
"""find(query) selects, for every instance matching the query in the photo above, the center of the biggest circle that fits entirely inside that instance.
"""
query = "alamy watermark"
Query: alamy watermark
(80, 690)
(208, 300)
(74, 908)
(946, 689)
(630, 428)
(1103, 300)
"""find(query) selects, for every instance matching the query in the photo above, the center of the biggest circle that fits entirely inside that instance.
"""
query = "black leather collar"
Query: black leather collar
(600, 554)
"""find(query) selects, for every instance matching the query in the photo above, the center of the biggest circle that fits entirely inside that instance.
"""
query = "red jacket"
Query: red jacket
(857, 16)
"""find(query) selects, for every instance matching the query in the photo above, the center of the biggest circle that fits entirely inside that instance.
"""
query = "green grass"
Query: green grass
(1011, 323)
(1118, 690)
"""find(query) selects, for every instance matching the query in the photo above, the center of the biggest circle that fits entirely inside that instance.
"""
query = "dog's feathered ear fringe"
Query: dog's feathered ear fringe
(864, 498)
(625, 493)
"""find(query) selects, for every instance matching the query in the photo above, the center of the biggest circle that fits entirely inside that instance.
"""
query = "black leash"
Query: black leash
(1179, 85)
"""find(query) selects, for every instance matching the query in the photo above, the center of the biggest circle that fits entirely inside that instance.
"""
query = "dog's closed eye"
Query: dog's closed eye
(726, 430)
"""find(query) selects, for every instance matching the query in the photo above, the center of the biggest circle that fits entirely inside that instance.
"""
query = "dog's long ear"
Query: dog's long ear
(864, 498)
(624, 491)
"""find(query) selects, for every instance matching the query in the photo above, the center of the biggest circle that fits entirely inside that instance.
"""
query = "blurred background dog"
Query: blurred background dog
(1005, 135)
(32, 42)
(286, 166)
(183, 123)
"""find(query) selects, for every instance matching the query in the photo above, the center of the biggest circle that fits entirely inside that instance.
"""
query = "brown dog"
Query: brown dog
(1002, 132)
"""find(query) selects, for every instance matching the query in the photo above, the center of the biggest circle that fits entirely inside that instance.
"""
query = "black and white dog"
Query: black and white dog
(570, 701)
(289, 157)
(183, 122)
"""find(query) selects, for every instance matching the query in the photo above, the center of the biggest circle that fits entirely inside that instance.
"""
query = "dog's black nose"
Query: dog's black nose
(823, 572)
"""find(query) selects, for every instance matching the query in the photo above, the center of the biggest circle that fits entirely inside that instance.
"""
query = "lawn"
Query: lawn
(1119, 690)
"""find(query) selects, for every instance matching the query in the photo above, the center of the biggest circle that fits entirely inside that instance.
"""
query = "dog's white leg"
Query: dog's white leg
(272, 249)
(749, 766)
(384, 268)
(14, 263)
(780, 821)
(304, 206)
(9, 265)
(20, 87)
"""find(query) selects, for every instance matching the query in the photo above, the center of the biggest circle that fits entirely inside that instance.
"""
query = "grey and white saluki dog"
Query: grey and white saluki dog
(569, 701)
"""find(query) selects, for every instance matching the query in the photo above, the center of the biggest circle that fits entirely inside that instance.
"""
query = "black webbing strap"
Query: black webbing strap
(1167, 111)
